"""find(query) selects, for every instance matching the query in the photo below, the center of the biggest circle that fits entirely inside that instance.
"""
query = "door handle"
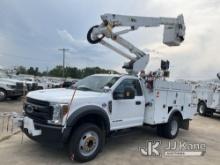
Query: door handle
(138, 102)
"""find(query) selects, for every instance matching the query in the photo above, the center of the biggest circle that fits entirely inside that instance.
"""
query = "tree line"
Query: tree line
(57, 71)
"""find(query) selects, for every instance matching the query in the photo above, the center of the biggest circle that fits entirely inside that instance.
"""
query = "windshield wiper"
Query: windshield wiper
(85, 88)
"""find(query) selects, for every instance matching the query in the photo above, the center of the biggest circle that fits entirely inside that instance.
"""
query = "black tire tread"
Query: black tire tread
(2, 90)
(73, 147)
(205, 111)
(167, 128)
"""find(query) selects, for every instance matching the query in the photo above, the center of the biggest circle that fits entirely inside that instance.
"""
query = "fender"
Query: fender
(184, 124)
(175, 111)
(81, 112)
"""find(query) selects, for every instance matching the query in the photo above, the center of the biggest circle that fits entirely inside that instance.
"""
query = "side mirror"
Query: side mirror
(107, 89)
(128, 93)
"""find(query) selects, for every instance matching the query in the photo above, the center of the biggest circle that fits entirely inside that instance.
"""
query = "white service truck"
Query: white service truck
(84, 116)
(208, 94)
(10, 88)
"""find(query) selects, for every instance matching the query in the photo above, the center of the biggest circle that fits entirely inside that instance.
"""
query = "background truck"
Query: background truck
(83, 117)
(208, 94)
(10, 88)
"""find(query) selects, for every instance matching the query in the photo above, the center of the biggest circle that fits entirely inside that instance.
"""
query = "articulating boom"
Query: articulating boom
(174, 32)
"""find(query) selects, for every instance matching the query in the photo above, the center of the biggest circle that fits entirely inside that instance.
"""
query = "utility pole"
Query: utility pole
(64, 51)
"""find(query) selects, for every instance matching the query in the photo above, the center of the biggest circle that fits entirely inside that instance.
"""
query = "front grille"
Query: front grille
(37, 102)
(29, 87)
(34, 86)
(19, 86)
(39, 111)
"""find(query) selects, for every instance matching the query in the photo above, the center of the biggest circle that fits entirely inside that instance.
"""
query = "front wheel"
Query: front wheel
(86, 142)
(3, 95)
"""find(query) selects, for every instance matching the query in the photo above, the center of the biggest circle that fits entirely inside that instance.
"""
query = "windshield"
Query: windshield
(96, 83)
(3, 75)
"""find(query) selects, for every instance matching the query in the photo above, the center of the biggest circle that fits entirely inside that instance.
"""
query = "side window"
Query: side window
(132, 83)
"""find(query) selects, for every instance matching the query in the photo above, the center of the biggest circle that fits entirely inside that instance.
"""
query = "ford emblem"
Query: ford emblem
(29, 109)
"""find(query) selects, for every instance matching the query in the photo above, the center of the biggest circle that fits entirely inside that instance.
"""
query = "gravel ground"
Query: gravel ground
(11, 106)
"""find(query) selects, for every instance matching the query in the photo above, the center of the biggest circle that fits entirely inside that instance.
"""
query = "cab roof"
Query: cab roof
(114, 75)
(110, 75)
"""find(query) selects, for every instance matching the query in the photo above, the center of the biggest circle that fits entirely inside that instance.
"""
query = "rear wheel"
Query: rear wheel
(3, 94)
(202, 109)
(171, 129)
(86, 142)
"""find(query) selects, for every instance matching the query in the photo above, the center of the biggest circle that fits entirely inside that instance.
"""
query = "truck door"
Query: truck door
(127, 112)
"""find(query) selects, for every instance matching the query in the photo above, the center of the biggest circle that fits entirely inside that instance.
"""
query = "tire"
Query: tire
(171, 129)
(3, 94)
(87, 136)
(202, 109)
(160, 129)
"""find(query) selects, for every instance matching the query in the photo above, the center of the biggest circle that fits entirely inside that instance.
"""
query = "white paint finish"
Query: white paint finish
(210, 94)
(62, 95)
(29, 125)
(125, 113)
(168, 94)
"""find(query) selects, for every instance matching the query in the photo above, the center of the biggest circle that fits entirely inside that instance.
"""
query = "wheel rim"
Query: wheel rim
(2, 95)
(201, 109)
(174, 127)
(88, 143)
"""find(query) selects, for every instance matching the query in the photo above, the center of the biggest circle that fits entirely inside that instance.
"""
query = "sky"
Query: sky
(31, 32)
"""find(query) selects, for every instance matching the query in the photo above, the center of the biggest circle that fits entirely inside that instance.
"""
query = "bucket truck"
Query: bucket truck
(99, 105)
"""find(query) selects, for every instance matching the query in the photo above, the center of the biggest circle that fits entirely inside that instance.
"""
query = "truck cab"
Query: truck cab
(10, 88)
(83, 116)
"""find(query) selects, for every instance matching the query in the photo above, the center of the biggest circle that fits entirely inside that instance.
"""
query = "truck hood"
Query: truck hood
(62, 95)
(11, 81)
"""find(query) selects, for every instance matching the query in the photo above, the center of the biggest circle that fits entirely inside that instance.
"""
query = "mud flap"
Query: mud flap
(185, 124)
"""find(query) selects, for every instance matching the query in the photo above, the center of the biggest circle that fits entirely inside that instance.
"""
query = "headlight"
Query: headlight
(11, 86)
(59, 111)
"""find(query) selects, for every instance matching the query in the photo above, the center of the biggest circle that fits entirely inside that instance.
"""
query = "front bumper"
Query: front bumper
(42, 133)
(15, 93)
(49, 134)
